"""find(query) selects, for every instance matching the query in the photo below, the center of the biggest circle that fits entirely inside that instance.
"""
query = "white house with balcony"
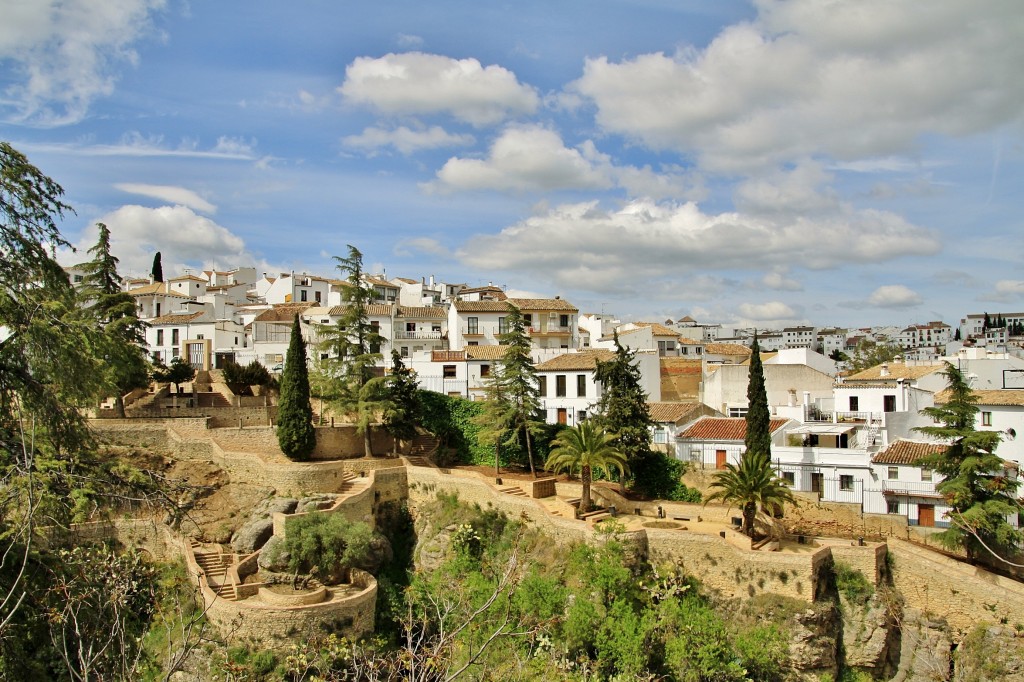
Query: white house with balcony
(420, 328)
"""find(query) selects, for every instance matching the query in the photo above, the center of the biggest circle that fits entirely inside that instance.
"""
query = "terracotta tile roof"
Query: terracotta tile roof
(724, 428)
(903, 451)
(184, 318)
(658, 329)
(690, 342)
(187, 277)
(531, 304)
(432, 311)
(486, 352)
(153, 288)
(481, 306)
(673, 413)
(285, 312)
(372, 309)
(407, 280)
(897, 370)
(377, 281)
(999, 396)
(726, 349)
(584, 360)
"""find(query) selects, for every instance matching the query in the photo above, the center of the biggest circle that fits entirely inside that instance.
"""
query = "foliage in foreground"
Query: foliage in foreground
(582, 612)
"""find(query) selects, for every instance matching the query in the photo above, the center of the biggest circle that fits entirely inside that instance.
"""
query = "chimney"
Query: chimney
(885, 369)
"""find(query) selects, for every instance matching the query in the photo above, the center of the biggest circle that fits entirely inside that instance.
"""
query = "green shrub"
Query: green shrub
(852, 584)
(328, 543)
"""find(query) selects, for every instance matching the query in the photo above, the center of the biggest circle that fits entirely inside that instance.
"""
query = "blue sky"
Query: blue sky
(741, 162)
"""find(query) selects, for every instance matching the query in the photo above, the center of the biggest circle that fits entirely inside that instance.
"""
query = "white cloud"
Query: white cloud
(183, 238)
(63, 54)
(894, 296)
(1010, 286)
(406, 140)
(407, 41)
(414, 83)
(861, 80)
(169, 193)
(139, 145)
(410, 247)
(771, 310)
(779, 281)
(587, 246)
(527, 158)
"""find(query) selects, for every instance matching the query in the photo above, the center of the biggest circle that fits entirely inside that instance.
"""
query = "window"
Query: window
(503, 325)
(789, 477)
(236, 340)
(581, 415)
(485, 370)
(986, 419)
(737, 412)
(410, 326)
(78, 278)
(926, 474)
(405, 351)
(581, 386)
(199, 337)
(845, 482)
(159, 337)
(888, 403)
(893, 474)
(563, 320)
(560, 386)
(436, 328)
(157, 310)
(684, 350)
(449, 371)
(472, 325)
(854, 403)
(174, 352)
(174, 336)
(542, 384)
(316, 296)
(892, 507)
(303, 295)
(528, 319)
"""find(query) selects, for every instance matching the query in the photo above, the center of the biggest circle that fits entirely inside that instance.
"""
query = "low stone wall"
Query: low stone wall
(357, 507)
(545, 487)
(869, 559)
(964, 595)
(735, 572)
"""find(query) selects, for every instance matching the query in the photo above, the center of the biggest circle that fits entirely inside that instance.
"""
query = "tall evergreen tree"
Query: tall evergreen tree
(126, 366)
(157, 272)
(987, 324)
(494, 421)
(354, 345)
(974, 483)
(622, 409)
(759, 437)
(401, 415)
(295, 432)
(520, 387)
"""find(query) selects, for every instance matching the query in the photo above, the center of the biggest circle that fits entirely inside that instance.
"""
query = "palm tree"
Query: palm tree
(586, 447)
(753, 486)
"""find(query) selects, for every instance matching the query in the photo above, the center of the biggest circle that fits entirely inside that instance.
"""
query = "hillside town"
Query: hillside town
(844, 435)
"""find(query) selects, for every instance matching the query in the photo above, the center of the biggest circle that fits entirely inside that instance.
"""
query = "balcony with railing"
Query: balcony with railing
(550, 330)
(472, 331)
(896, 488)
(417, 334)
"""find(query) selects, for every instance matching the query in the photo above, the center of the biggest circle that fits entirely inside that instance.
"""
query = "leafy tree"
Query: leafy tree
(956, 337)
(180, 371)
(157, 273)
(759, 437)
(295, 431)
(494, 421)
(354, 345)
(253, 374)
(125, 364)
(586, 447)
(974, 483)
(753, 486)
(839, 356)
(401, 414)
(870, 353)
(328, 545)
(623, 408)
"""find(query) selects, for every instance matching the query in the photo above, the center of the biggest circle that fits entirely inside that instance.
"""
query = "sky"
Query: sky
(761, 163)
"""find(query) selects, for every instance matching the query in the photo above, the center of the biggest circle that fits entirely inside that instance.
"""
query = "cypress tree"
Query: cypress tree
(158, 269)
(759, 437)
(295, 432)
(403, 405)
(518, 377)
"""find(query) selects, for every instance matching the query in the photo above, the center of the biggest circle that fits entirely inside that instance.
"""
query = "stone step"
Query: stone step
(513, 490)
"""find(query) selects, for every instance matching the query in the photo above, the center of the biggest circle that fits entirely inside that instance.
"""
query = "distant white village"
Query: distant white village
(841, 435)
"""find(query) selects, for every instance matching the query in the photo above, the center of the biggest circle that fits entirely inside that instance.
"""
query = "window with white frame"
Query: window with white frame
(893, 473)
(892, 507)
(846, 482)
(986, 419)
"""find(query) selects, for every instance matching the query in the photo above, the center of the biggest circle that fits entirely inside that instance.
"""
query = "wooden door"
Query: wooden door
(563, 416)
(719, 459)
(926, 515)
(817, 483)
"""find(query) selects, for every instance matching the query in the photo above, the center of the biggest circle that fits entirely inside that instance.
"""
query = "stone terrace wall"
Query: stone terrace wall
(734, 572)
(186, 439)
(964, 595)
(869, 559)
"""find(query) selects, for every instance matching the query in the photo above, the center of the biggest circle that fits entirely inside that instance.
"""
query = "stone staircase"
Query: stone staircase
(215, 563)
(513, 490)
(424, 445)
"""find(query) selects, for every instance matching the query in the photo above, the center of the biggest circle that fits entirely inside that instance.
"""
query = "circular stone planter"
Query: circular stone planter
(316, 596)
(665, 525)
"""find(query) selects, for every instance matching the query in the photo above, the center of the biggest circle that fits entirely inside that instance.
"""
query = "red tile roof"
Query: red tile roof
(902, 451)
(724, 428)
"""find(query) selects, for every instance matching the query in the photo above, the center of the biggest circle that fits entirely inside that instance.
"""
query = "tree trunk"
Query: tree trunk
(529, 452)
(749, 514)
(368, 441)
(585, 502)
(497, 461)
